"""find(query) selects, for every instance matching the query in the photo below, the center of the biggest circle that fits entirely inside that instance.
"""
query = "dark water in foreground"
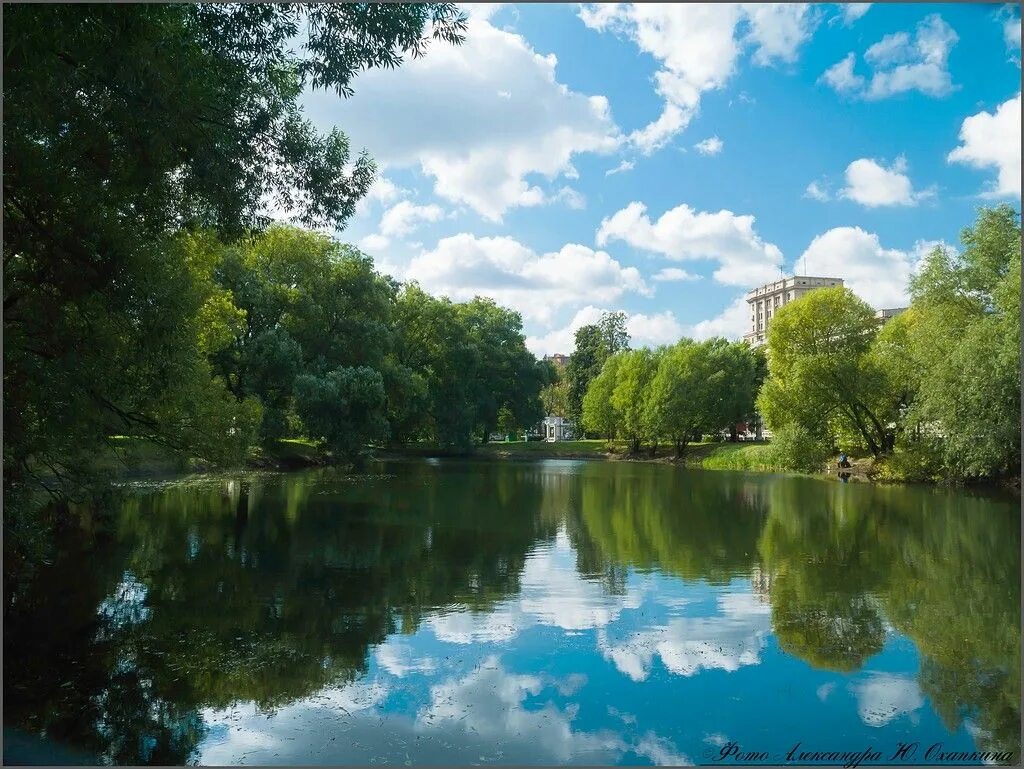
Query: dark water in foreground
(547, 612)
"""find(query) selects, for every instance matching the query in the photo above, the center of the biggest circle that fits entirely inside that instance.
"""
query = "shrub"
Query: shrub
(794, 447)
(917, 462)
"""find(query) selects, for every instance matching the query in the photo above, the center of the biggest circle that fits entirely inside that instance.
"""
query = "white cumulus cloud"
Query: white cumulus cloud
(696, 46)
(878, 275)
(373, 242)
(884, 697)
(732, 323)
(817, 191)
(853, 11)
(992, 140)
(463, 266)
(681, 233)
(900, 63)
(402, 218)
(779, 29)
(674, 273)
(841, 77)
(625, 165)
(710, 146)
(872, 184)
(726, 641)
(382, 192)
(651, 330)
(483, 120)
(1011, 29)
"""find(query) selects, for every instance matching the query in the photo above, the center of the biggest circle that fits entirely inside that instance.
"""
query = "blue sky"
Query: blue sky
(662, 159)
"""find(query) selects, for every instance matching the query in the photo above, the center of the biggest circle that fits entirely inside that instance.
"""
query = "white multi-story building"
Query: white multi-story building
(764, 301)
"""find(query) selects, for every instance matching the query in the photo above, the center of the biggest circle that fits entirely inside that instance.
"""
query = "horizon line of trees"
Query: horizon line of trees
(934, 393)
(673, 394)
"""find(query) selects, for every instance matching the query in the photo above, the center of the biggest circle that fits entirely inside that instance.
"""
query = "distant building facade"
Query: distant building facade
(886, 315)
(764, 301)
(561, 361)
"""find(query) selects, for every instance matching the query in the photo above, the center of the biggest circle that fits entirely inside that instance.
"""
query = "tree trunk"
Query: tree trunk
(863, 429)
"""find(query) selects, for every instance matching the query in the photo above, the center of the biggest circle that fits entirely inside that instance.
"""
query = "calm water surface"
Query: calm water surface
(545, 612)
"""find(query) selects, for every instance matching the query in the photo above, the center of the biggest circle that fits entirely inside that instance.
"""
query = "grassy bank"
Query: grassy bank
(732, 456)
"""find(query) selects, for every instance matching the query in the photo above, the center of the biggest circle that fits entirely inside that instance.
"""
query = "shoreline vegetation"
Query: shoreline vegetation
(135, 460)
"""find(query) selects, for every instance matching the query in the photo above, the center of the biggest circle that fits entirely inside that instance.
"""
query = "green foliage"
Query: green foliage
(505, 375)
(685, 397)
(964, 339)
(934, 565)
(739, 456)
(311, 305)
(677, 393)
(129, 131)
(346, 408)
(914, 461)
(794, 447)
(407, 400)
(555, 399)
(599, 413)
(822, 375)
(745, 371)
(594, 345)
(937, 390)
(473, 364)
(633, 375)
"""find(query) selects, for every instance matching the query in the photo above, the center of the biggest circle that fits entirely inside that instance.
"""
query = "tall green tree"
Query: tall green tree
(964, 338)
(432, 342)
(472, 361)
(508, 376)
(345, 407)
(746, 369)
(690, 391)
(599, 414)
(311, 306)
(555, 396)
(822, 375)
(594, 345)
(633, 378)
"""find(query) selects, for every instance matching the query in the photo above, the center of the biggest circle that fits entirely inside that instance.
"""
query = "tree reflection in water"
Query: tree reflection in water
(268, 589)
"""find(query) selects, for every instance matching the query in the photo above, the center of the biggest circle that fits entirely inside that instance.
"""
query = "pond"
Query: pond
(541, 612)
